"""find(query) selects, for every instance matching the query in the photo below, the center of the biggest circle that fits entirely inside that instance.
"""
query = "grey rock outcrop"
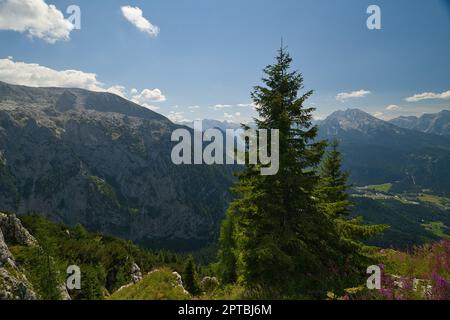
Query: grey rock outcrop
(209, 284)
(6, 257)
(136, 274)
(13, 283)
(14, 232)
(179, 282)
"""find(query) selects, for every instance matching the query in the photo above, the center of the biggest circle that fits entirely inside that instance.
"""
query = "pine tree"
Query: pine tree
(227, 258)
(332, 191)
(189, 277)
(283, 241)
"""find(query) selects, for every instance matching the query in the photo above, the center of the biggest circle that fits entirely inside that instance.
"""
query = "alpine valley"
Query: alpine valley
(98, 160)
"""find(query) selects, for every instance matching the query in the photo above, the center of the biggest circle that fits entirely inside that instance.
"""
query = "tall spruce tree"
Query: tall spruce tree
(332, 191)
(283, 241)
(189, 277)
(227, 266)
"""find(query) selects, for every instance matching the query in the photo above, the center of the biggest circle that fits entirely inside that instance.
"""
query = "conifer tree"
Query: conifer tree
(189, 277)
(283, 241)
(332, 191)
(227, 258)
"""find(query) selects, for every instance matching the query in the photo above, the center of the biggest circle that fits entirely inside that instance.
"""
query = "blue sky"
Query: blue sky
(210, 53)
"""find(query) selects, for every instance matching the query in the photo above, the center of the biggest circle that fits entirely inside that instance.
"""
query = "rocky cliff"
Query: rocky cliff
(104, 162)
(13, 283)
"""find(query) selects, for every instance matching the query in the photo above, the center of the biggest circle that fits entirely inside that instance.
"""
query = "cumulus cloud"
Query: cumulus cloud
(147, 97)
(34, 18)
(35, 75)
(219, 107)
(429, 96)
(379, 115)
(393, 107)
(118, 90)
(176, 116)
(247, 105)
(135, 16)
(343, 96)
(222, 106)
(236, 117)
(228, 116)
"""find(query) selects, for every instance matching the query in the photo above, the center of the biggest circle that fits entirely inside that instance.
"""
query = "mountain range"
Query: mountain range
(376, 152)
(435, 123)
(99, 160)
(411, 153)
(96, 159)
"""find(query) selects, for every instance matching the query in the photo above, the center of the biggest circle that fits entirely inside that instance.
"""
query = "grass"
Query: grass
(441, 202)
(103, 187)
(438, 228)
(385, 187)
(158, 285)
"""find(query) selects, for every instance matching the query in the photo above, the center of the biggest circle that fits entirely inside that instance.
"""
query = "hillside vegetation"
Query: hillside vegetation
(106, 262)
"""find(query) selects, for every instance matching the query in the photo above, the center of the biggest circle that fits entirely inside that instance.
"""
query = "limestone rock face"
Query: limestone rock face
(136, 274)
(5, 255)
(14, 232)
(64, 293)
(95, 159)
(13, 283)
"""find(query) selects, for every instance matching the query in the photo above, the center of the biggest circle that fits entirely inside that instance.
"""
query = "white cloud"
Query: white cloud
(219, 107)
(135, 16)
(34, 18)
(244, 105)
(379, 115)
(194, 107)
(428, 96)
(35, 75)
(393, 107)
(222, 106)
(237, 117)
(149, 95)
(343, 96)
(176, 116)
(145, 98)
(247, 105)
(228, 116)
(118, 90)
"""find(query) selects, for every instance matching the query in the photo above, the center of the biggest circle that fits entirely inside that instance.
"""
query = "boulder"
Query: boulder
(14, 232)
(209, 284)
(136, 274)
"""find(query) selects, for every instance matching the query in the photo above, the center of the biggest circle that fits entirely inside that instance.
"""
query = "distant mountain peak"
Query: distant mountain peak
(352, 114)
(68, 99)
(351, 119)
(435, 123)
